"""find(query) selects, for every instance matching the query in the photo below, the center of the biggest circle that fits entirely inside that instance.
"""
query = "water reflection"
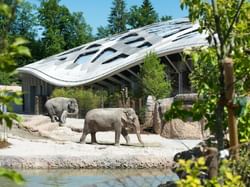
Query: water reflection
(93, 178)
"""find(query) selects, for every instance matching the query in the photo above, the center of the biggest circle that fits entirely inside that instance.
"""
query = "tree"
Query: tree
(77, 31)
(62, 30)
(153, 77)
(8, 52)
(25, 21)
(166, 18)
(227, 26)
(117, 18)
(134, 17)
(148, 14)
(102, 32)
(143, 15)
(25, 25)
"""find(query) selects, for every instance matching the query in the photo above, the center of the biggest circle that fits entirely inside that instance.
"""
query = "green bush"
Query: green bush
(226, 177)
(244, 125)
(87, 99)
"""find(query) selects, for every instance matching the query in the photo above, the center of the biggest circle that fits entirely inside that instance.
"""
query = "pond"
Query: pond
(93, 178)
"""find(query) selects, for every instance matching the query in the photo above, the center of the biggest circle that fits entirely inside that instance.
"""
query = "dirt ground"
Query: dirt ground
(38, 143)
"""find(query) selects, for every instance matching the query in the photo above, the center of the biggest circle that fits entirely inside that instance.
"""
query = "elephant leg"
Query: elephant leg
(83, 138)
(52, 117)
(93, 138)
(63, 117)
(117, 136)
(125, 135)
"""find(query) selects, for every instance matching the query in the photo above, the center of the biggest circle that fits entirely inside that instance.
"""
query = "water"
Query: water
(93, 178)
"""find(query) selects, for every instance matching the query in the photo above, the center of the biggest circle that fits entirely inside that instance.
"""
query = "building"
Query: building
(114, 61)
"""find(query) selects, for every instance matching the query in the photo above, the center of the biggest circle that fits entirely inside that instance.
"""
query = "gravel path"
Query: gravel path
(64, 151)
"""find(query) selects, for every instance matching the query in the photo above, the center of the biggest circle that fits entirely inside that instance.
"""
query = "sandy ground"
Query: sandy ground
(60, 148)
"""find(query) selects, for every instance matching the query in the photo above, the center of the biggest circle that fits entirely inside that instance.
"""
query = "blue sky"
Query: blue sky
(96, 12)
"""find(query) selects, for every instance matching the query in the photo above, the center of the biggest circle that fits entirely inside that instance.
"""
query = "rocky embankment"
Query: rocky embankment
(38, 143)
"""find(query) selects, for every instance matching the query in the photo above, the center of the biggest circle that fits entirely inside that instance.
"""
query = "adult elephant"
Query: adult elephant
(106, 119)
(59, 107)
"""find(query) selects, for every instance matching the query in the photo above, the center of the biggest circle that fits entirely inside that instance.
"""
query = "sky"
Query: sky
(96, 12)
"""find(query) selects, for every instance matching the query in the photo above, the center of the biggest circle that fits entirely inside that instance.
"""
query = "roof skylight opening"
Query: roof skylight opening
(136, 42)
(104, 54)
(72, 51)
(63, 58)
(131, 35)
(115, 59)
(144, 45)
(93, 46)
(83, 58)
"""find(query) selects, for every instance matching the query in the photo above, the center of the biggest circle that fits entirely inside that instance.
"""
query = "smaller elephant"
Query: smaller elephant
(59, 107)
(111, 119)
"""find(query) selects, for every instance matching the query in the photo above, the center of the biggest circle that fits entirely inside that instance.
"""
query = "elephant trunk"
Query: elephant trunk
(76, 111)
(138, 132)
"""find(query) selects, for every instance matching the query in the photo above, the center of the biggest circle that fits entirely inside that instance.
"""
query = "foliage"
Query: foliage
(244, 125)
(166, 18)
(62, 30)
(240, 166)
(153, 77)
(12, 175)
(117, 17)
(25, 21)
(8, 53)
(143, 15)
(86, 98)
(227, 26)
(193, 169)
(102, 32)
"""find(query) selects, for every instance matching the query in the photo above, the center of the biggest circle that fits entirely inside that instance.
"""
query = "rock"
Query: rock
(157, 123)
(150, 106)
(179, 129)
(165, 104)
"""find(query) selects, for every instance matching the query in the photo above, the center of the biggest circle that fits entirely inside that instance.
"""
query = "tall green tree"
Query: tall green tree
(148, 13)
(153, 77)
(143, 15)
(22, 24)
(8, 52)
(102, 32)
(166, 18)
(25, 25)
(134, 17)
(227, 25)
(62, 30)
(118, 17)
(25, 21)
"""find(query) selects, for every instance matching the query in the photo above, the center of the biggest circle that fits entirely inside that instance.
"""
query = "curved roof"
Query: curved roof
(97, 60)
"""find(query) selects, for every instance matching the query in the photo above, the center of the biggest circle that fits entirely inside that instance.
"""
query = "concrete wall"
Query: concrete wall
(32, 87)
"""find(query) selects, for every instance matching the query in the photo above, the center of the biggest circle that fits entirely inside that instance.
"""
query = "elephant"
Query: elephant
(106, 119)
(59, 107)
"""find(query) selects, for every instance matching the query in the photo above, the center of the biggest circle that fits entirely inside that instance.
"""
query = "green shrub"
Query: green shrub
(87, 99)
(244, 125)
(226, 176)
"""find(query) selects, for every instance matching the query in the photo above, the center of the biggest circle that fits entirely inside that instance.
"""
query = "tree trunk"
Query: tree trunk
(219, 111)
(232, 122)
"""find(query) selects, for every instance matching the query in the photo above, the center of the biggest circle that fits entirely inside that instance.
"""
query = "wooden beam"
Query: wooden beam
(133, 73)
(172, 64)
(114, 80)
(105, 84)
(125, 78)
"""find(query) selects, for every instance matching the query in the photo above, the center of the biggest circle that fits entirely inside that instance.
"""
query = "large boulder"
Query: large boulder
(150, 106)
(178, 129)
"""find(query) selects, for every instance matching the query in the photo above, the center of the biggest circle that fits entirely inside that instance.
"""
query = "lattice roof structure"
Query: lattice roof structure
(95, 61)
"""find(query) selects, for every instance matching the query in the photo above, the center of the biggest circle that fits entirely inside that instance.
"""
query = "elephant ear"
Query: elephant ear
(127, 116)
